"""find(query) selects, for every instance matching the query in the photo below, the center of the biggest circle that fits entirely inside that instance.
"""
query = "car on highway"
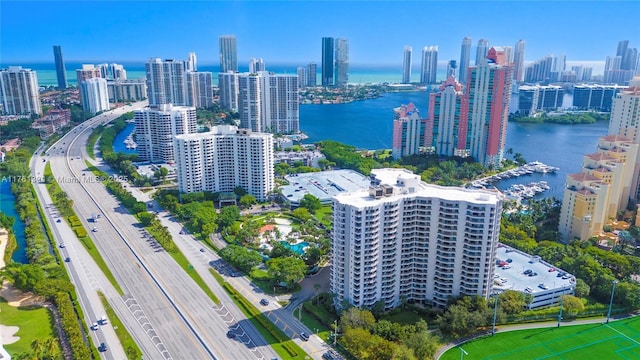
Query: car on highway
(231, 334)
(103, 320)
(61, 245)
(304, 336)
(95, 229)
(94, 326)
(67, 260)
(102, 347)
(264, 302)
(201, 249)
(59, 220)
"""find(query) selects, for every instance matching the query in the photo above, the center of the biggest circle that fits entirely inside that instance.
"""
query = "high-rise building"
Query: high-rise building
(302, 77)
(429, 68)
(488, 94)
(623, 45)
(228, 88)
(312, 74)
(518, 61)
(156, 128)
(127, 90)
(625, 121)
(268, 102)
(199, 89)
(594, 97)
(620, 69)
(404, 239)
(408, 131)
(117, 72)
(406, 65)
(481, 50)
(539, 71)
(19, 92)
(539, 97)
(445, 132)
(256, 64)
(61, 71)
(94, 95)
(327, 61)
(342, 62)
(166, 82)
(104, 70)
(601, 190)
(223, 159)
(228, 53)
(88, 71)
(451, 68)
(465, 53)
(191, 64)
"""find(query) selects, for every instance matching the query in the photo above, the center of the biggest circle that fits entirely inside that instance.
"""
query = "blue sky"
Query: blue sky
(291, 32)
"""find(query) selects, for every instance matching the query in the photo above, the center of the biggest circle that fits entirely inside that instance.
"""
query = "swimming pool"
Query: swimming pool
(298, 248)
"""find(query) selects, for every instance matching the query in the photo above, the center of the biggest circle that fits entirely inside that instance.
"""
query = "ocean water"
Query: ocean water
(46, 72)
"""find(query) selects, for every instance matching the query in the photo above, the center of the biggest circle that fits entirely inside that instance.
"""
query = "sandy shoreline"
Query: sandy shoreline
(4, 239)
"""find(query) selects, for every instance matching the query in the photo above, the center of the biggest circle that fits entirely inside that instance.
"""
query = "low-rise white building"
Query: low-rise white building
(404, 238)
(223, 159)
(519, 271)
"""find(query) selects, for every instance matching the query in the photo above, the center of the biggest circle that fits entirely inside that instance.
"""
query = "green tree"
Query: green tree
(356, 318)
(248, 200)
(146, 218)
(582, 289)
(512, 302)
(311, 203)
(228, 215)
(287, 269)
(572, 305)
(243, 259)
(301, 213)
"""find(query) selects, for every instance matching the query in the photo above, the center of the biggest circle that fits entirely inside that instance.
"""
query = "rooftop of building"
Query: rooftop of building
(223, 130)
(519, 271)
(404, 183)
(598, 86)
(615, 138)
(323, 185)
(599, 156)
(583, 177)
(539, 87)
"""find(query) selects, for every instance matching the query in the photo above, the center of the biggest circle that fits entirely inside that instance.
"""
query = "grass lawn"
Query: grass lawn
(33, 324)
(314, 325)
(617, 340)
(324, 215)
(129, 345)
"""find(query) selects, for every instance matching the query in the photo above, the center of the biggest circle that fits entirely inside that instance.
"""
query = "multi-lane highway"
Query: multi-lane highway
(172, 311)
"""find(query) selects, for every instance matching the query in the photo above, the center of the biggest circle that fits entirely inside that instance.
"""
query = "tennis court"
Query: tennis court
(616, 340)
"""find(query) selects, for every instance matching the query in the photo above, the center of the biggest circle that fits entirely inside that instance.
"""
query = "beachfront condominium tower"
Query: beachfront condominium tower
(19, 92)
(406, 240)
(199, 89)
(408, 131)
(465, 53)
(488, 94)
(61, 71)
(256, 64)
(481, 50)
(327, 61)
(228, 53)
(518, 61)
(451, 68)
(312, 74)
(166, 82)
(341, 72)
(429, 68)
(88, 71)
(223, 159)
(268, 102)
(302, 77)
(600, 190)
(95, 95)
(406, 65)
(625, 121)
(156, 127)
(445, 132)
(191, 64)
(228, 89)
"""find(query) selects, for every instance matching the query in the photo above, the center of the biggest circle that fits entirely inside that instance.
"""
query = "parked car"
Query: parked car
(231, 334)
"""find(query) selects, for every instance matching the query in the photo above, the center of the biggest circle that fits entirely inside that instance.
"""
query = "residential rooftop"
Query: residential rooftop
(324, 185)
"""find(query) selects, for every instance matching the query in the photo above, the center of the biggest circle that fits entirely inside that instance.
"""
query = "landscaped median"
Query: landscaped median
(129, 345)
(64, 205)
(281, 343)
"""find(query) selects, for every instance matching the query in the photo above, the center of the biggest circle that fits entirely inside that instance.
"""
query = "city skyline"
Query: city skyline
(297, 39)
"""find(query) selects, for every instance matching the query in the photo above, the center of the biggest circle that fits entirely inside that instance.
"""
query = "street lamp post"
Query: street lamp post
(335, 332)
(561, 306)
(462, 353)
(613, 289)
(495, 313)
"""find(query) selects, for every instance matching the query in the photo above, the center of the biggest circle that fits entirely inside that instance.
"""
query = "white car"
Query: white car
(94, 326)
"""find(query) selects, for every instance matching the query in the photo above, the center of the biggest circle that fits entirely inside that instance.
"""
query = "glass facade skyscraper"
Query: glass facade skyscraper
(327, 61)
(228, 53)
(61, 72)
